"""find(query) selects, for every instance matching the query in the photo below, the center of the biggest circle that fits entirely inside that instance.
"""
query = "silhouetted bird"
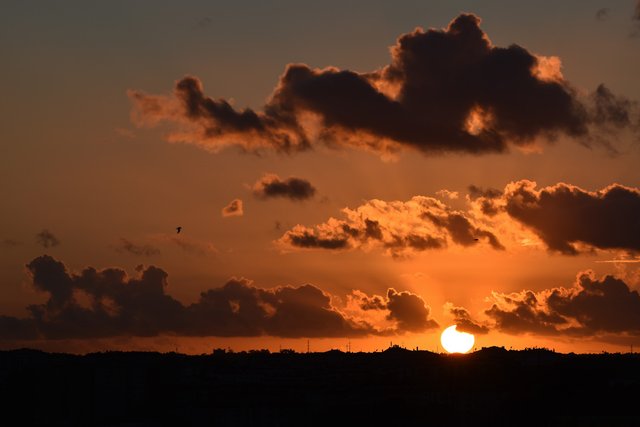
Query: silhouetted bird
(473, 239)
(178, 229)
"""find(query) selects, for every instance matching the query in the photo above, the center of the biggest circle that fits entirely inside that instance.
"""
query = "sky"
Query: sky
(342, 172)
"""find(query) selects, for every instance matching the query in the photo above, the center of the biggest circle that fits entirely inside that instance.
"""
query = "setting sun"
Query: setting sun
(456, 342)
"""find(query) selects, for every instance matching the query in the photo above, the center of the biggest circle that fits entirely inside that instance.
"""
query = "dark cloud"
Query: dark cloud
(407, 311)
(464, 322)
(234, 208)
(12, 328)
(564, 215)
(489, 193)
(602, 14)
(589, 308)
(303, 237)
(485, 198)
(127, 246)
(447, 90)
(108, 303)
(46, 239)
(399, 228)
(271, 186)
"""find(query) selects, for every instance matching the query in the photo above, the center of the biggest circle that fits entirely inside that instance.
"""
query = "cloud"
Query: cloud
(186, 244)
(485, 199)
(602, 14)
(448, 90)
(564, 215)
(409, 310)
(234, 208)
(406, 311)
(591, 307)
(46, 239)
(446, 194)
(400, 228)
(620, 261)
(127, 246)
(109, 303)
(271, 186)
(464, 322)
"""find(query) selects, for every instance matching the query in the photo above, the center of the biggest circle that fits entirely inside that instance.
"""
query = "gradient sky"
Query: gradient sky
(84, 181)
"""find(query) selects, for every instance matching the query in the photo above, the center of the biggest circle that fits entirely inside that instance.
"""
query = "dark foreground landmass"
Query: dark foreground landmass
(394, 388)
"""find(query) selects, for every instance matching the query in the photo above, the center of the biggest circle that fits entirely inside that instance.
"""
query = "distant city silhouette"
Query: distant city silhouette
(395, 387)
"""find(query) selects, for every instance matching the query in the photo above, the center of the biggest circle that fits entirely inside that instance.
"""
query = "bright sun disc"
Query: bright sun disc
(456, 342)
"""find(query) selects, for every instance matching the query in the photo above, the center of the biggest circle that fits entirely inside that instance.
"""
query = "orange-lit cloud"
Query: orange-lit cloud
(399, 228)
(564, 217)
(234, 208)
(447, 90)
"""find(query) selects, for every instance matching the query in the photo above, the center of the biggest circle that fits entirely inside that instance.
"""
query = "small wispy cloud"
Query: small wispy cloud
(234, 208)
(47, 239)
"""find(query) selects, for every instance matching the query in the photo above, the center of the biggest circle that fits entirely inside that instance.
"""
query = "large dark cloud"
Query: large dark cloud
(400, 228)
(447, 90)
(564, 215)
(272, 186)
(409, 310)
(589, 308)
(47, 239)
(108, 303)
(406, 309)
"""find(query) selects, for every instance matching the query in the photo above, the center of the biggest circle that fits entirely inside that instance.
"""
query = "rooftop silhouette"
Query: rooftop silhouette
(396, 386)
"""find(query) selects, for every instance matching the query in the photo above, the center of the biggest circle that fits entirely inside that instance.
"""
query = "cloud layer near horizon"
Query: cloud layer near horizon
(590, 307)
(108, 303)
(448, 90)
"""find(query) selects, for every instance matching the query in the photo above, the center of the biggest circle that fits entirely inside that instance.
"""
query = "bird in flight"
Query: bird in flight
(178, 230)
